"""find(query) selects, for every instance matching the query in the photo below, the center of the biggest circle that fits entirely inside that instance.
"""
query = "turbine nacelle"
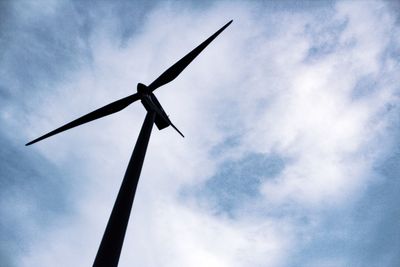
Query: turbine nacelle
(151, 103)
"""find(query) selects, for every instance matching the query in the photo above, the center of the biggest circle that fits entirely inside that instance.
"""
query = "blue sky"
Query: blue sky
(291, 121)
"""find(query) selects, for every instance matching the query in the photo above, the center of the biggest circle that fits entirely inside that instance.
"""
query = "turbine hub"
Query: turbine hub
(142, 89)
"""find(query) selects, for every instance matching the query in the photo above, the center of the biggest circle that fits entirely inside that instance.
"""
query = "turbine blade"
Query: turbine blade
(176, 129)
(97, 114)
(173, 72)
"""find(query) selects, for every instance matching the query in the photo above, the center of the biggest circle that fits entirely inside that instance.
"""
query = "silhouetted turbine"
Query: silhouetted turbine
(113, 238)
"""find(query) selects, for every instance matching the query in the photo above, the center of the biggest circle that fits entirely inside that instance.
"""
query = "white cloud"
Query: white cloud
(255, 82)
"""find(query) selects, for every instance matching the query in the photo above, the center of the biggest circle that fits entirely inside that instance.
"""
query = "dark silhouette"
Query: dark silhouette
(113, 238)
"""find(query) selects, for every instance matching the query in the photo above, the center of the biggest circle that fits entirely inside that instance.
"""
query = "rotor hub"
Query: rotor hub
(142, 89)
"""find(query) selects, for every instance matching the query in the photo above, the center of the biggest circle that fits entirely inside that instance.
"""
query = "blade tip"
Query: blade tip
(29, 143)
(33, 141)
(227, 25)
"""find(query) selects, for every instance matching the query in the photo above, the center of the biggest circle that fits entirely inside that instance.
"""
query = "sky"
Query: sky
(290, 156)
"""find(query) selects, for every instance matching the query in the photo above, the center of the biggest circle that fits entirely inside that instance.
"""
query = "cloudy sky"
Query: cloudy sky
(291, 117)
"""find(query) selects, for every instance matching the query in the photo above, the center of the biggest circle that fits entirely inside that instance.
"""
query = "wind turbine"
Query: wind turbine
(111, 244)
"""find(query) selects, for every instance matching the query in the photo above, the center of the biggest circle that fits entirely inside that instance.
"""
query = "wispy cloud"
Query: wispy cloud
(290, 121)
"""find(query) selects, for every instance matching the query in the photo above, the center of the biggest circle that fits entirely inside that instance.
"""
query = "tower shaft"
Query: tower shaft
(113, 238)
